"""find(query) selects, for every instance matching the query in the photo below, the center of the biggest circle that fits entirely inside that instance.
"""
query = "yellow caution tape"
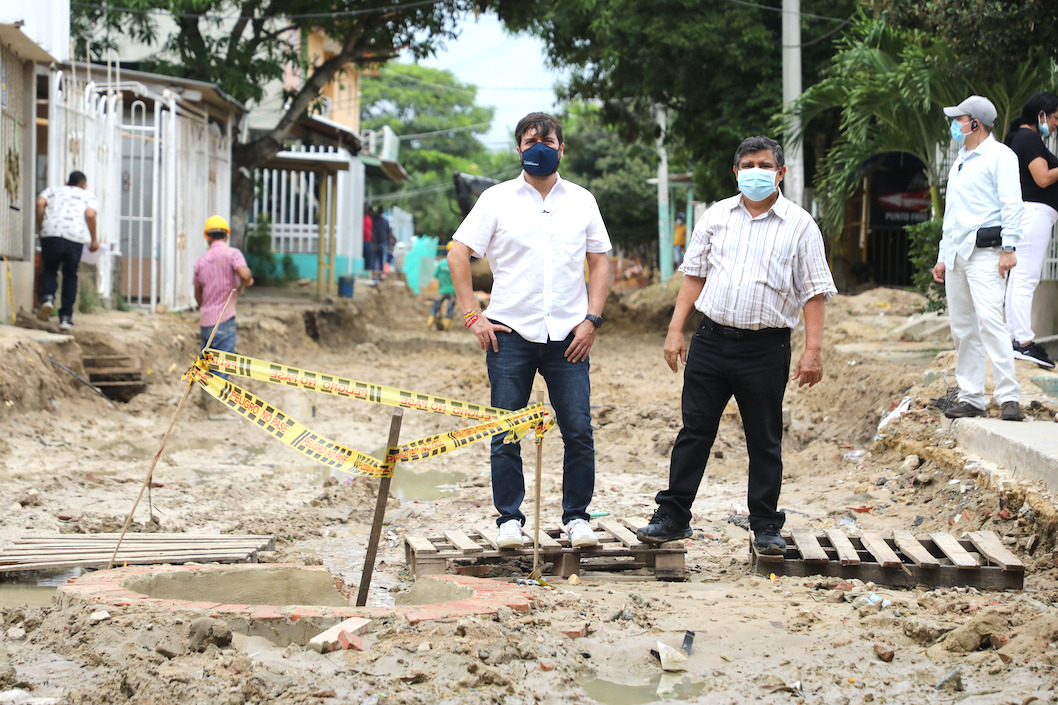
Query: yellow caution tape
(10, 290)
(296, 435)
(265, 371)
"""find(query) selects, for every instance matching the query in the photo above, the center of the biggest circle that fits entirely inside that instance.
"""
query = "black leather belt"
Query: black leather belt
(739, 333)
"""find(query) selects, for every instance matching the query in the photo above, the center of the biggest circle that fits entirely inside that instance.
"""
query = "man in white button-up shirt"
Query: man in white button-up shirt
(537, 231)
(755, 263)
(984, 191)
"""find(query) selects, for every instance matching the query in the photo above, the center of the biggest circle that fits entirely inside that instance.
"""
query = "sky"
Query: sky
(509, 71)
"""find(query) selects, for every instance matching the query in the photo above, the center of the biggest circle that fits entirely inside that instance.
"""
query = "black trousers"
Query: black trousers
(59, 253)
(753, 370)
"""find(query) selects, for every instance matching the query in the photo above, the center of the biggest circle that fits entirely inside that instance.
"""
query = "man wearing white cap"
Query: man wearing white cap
(982, 227)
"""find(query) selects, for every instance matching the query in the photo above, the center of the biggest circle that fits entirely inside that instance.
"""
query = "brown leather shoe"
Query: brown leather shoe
(1012, 411)
(964, 409)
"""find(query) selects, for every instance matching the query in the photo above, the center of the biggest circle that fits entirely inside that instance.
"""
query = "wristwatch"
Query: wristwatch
(596, 320)
(1009, 248)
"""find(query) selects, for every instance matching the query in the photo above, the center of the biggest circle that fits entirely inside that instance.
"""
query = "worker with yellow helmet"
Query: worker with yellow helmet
(220, 273)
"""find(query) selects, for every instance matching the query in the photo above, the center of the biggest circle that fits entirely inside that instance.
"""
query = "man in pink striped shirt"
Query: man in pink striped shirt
(217, 272)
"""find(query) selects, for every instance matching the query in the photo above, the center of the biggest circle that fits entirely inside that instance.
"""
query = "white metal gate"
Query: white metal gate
(12, 146)
(289, 198)
(84, 135)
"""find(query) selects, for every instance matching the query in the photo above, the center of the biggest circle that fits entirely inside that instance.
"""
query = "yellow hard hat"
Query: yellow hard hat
(216, 222)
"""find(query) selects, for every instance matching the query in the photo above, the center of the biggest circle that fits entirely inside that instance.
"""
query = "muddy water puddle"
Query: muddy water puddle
(664, 686)
(34, 589)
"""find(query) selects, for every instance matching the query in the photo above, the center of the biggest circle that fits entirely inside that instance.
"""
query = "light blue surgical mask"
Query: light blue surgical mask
(956, 132)
(1045, 129)
(756, 184)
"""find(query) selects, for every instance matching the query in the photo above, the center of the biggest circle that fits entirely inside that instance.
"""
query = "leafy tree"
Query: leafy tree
(438, 121)
(242, 44)
(716, 66)
(989, 39)
(616, 173)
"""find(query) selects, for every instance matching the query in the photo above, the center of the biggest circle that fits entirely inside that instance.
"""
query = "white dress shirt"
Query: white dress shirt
(536, 248)
(759, 272)
(984, 190)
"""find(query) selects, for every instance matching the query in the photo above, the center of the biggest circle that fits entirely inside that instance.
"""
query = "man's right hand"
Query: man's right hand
(485, 331)
(675, 350)
(94, 245)
(938, 272)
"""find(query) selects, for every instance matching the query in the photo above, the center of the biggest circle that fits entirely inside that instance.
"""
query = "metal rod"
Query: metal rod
(539, 472)
(380, 514)
(82, 380)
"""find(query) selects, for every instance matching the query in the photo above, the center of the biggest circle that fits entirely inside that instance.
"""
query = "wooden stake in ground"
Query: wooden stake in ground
(380, 514)
(535, 575)
(158, 455)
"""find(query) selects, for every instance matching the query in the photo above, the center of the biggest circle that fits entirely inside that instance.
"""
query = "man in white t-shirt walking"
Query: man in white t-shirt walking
(538, 231)
(66, 222)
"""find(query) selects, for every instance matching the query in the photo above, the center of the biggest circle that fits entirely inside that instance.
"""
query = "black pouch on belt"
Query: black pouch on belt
(990, 237)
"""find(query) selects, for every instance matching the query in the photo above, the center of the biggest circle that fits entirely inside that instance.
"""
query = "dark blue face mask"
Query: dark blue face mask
(540, 160)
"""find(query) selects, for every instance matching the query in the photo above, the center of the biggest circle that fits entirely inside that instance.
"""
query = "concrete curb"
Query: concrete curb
(283, 624)
(1028, 449)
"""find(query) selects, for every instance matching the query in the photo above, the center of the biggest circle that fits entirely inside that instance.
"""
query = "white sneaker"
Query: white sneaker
(580, 534)
(65, 325)
(44, 312)
(510, 535)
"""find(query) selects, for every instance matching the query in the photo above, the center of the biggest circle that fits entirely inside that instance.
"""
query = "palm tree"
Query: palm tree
(889, 86)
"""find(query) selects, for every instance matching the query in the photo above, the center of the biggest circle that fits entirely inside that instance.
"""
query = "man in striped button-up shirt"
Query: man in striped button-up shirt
(754, 263)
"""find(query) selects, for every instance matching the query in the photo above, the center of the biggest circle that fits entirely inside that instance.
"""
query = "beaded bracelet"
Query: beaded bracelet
(468, 314)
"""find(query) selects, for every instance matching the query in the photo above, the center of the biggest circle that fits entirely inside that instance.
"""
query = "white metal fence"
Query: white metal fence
(290, 199)
(12, 145)
(158, 169)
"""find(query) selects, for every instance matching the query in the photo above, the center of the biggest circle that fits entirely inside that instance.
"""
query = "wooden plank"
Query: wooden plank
(420, 545)
(952, 549)
(48, 565)
(546, 541)
(44, 549)
(158, 556)
(620, 531)
(987, 578)
(993, 549)
(808, 545)
(847, 553)
(489, 535)
(463, 542)
(911, 548)
(878, 548)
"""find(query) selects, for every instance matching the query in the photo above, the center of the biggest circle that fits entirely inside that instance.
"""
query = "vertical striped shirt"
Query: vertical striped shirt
(215, 273)
(759, 272)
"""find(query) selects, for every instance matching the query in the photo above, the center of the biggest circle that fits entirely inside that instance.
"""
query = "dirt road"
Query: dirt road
(72, 463)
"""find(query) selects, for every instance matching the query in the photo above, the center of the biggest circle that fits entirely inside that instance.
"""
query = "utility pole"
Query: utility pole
(664, 224)
(794, 182)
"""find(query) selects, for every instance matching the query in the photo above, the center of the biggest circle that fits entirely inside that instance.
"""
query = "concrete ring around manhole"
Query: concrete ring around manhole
(281, 602)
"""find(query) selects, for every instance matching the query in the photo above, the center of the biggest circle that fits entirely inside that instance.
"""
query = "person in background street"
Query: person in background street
(537, 231)
(756, 262)
(66, 222)
(1039, 191)
(369, 247)
(679, 240)
(217, 272)
(380, 239)
(983, 194)
(446, 294)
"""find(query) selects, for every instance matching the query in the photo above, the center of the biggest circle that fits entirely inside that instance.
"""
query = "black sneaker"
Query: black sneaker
(1011, 411)
(962, 410)
(663, 528)
(1033, 352)
(769, 542)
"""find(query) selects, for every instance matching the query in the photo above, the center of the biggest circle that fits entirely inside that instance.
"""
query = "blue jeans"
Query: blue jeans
(224, 340)
(511, 374)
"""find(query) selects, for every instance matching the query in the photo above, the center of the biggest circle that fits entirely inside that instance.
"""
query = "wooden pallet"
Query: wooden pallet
(115, 371)
(902, 560)
(618, 549)
(50, 551)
